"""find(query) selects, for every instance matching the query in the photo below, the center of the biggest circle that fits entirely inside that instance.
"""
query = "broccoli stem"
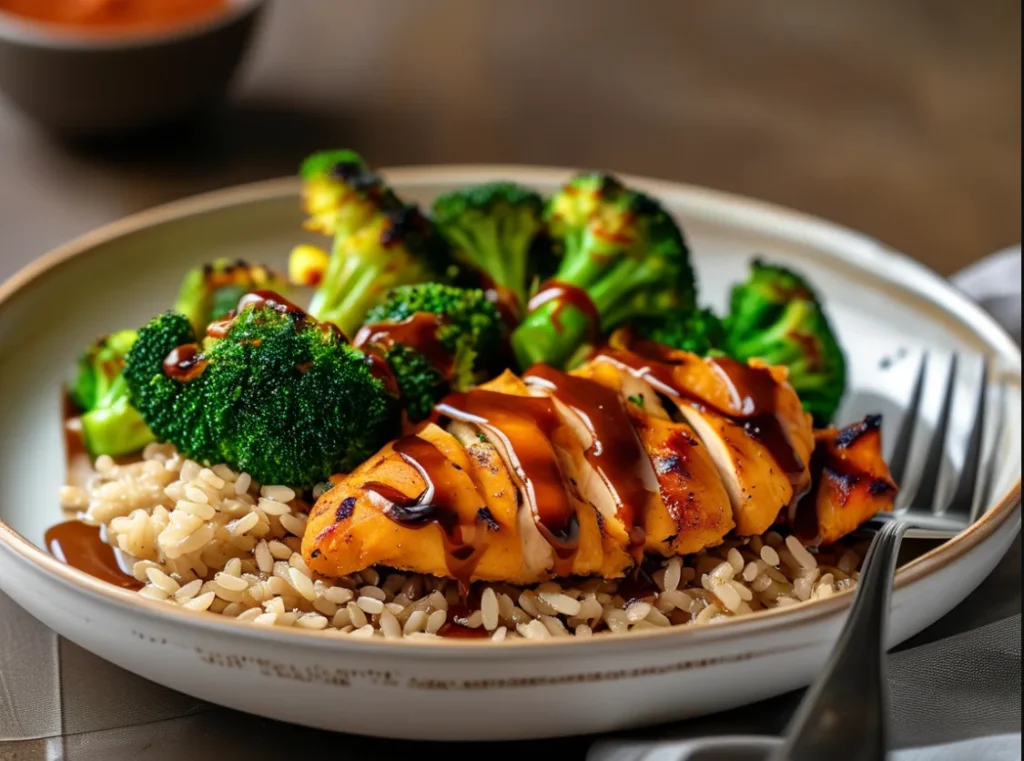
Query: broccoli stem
(485, 238)
(114, 427)
(352, 293)
(553, 333)
(116, 431)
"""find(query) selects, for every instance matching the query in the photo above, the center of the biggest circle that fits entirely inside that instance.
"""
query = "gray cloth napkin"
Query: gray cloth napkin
(958, 681)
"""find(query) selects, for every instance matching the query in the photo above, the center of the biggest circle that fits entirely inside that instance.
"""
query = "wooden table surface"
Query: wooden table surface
(901, 119)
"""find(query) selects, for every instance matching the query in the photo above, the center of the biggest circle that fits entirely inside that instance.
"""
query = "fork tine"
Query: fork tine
(925, 498)
(901, 452)
(988, 481)
(963, 499)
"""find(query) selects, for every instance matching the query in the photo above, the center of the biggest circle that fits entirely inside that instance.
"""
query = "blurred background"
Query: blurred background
(898, 118)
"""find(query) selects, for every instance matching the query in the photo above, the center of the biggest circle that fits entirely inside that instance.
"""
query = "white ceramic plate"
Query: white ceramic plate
(884, 305)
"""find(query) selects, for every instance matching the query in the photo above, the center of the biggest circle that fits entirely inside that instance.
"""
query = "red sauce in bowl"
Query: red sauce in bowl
(113, 16)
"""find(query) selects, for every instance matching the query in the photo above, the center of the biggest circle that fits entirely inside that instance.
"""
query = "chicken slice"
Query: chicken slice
(851, 482)
(494, 480)
(689, 508)
(542, 452)
(610, 464)
(748, 418)
(386, 512)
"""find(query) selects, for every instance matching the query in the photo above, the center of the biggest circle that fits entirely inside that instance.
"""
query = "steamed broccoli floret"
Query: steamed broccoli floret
(493, 227)
(210, 291)
(777, 317)
(379, 241)
(274, 393)
(622, 250)
(697, 330)
(110, 425)
(448, 353)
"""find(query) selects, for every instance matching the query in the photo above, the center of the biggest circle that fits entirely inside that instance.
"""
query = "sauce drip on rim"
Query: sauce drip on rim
(615, 452)
(448, 494)
(564, 295)
(527, 427)
(750, 395)
(82, 546)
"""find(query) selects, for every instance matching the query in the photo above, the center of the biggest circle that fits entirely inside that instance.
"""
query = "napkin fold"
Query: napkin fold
(994, 282)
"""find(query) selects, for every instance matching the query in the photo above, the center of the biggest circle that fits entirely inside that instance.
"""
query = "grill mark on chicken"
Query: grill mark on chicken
(852, 433)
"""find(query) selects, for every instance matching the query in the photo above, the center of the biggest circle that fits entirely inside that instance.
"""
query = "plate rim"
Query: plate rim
(787, 220)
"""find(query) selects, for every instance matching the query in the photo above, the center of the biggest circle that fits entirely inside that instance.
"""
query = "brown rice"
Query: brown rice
(210, 539)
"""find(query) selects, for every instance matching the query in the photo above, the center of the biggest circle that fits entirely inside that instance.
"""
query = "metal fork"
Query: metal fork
(844, 715)
(918, 506)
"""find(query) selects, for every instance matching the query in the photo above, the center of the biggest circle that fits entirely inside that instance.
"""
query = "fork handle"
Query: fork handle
(843, 717)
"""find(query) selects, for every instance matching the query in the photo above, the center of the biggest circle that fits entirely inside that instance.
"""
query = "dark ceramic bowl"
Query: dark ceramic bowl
(92, 86)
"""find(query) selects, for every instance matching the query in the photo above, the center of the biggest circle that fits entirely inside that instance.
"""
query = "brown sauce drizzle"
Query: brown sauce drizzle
(563, 295)
(381, 370)
(185, 363)
(527, 425)
(504, 299)
(441, 503)
(616, 452)
(751, 391)
(638, 585)
(419, 331)
(263, 299)
(82, 546)
(455, 627)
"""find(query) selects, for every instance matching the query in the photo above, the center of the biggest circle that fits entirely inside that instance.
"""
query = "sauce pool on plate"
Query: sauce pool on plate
(82, 546)
(111, 16)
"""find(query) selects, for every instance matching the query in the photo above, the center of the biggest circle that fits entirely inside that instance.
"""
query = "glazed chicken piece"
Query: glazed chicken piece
(494, 499)
(544, 455)
(387, 513)
(746, 415)
(687, 507)
(851, 482)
